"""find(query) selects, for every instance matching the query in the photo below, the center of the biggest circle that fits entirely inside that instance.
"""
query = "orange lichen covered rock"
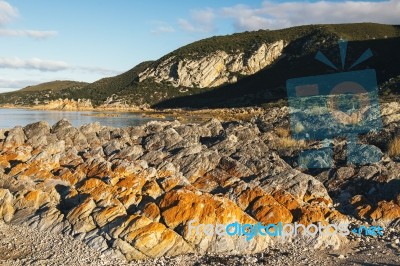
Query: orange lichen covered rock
(130, 199)
(108, 214)
(70, 176)
(152, 211)
(6, 205)
(362, 206)
(180, 206)
(313, 214)
(21, 154)
(248, 196)
(97, 189)
(132, 183)
(183, 209)
(170, 182)
(80, 217)
(152, 189)
(286, 199)
(157, 189)
(152, 238)
(31, 199)
(267, 210)
(386, 211)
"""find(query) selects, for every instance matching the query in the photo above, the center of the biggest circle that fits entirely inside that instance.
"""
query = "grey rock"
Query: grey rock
(2, 134)
(136, 134)
(364, 154)
(112, 147)
(344, 173)
(119, 133)
(297, 184)
(15, 137)
(211, 128)
(130, 152)
(154, 158)
(367, 172)
(164, 140)
(256, 156)
(243, 132)
(37, 129)
(61, 125)
(89, 129)
(104, 134)
(195, 165)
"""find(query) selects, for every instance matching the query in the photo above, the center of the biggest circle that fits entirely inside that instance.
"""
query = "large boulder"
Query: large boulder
(37, 129)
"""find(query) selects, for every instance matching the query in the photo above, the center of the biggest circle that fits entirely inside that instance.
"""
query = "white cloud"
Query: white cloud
(50, 66)
(15, 84)
(276, 15)
(98, 70)
(201, 20)
(7, 12)
(161, 27)
(34, 63)
(28, 33)
(186, 25)
(10, 84)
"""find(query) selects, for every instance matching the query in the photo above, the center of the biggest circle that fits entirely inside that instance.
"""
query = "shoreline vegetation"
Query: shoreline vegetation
(181, 114)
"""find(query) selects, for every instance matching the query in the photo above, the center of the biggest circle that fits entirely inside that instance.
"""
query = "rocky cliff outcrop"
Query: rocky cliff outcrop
(213, 69)
(85, 105)
(66, 104)
(131, 192)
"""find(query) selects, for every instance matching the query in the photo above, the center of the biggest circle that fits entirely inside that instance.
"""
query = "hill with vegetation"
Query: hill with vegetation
(55, 86)
(265, 86)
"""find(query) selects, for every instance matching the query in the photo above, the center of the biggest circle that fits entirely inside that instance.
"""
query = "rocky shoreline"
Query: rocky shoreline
(129, 193)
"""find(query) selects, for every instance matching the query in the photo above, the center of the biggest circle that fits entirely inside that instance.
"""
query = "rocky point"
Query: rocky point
(131, 192)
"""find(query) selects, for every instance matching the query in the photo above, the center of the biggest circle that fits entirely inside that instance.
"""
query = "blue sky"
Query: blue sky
(46, 40)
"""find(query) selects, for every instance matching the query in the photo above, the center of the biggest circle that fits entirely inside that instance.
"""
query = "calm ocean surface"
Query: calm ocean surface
(10, 118)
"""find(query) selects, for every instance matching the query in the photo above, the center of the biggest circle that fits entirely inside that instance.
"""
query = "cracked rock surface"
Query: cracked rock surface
(129, 193)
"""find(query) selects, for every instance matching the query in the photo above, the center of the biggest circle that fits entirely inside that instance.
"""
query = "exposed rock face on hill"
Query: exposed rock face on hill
(239, 70)
(213, 69)
(131, 192)
(68, 105)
